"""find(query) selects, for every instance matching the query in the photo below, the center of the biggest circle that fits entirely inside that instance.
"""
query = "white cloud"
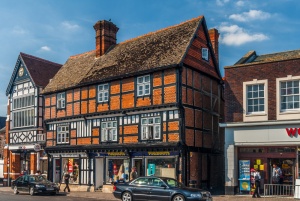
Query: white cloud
(251, 15)
(69, 25)
(240, 3)
(19, 30)
(45, 49)
(235, 35)
(221, 2)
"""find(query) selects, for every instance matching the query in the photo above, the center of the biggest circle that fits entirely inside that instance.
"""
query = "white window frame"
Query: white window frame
(103, 93)
(205, 53)
(143, 85)
(288, 114)
(63, 134)
(61, 100)
(151, 128)
(256, 97)
(255, 116)
(109, 131)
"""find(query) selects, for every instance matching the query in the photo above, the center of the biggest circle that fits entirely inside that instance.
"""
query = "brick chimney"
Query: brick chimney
(106, 32)
(214, 38)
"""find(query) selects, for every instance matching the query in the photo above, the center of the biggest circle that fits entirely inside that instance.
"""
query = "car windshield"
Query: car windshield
(37, 179)
(173, 183)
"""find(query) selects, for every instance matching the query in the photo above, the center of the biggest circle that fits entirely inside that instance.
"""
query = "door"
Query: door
(140, 189)
(157, 192)
(99, 172)
(138, 163)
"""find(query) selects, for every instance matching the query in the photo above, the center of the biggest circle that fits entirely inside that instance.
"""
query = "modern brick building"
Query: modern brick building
(25, 133)
(153, 102)
(262, 118)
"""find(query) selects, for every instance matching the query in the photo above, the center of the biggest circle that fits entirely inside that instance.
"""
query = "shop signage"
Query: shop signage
(292, 131)
(155, 153)
(37, 147)
(116, 153)
(68, 155)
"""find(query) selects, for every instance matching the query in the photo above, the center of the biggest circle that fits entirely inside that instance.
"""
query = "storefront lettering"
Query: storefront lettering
(158, 153)
(292, 131)
(116, 154)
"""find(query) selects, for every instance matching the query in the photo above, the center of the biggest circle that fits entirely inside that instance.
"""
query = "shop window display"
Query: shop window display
(71, 166)
(161, 167)
(117, 170)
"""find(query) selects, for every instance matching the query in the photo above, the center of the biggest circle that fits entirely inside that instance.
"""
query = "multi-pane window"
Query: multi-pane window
(151, 128)
(23, 102)
(63, 134)
(109, 131)
(61, 100)
(289, 95)
(255, 98)
(102, 93)
(22, 118)
(143, 85)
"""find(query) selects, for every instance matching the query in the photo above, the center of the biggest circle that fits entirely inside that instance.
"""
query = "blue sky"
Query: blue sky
(57, 29)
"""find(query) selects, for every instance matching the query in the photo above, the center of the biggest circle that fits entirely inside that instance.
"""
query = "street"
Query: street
(5, 196)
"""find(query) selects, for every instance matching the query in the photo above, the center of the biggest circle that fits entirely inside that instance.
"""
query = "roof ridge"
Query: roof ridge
(39, 59)
(163, 29)
(77, 55)
(280, 52)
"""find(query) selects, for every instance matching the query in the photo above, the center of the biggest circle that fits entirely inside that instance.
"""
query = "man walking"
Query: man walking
(66, 178)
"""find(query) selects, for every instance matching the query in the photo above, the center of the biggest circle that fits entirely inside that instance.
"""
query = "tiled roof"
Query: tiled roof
(252, 58)
(162, 48)
(40, 70)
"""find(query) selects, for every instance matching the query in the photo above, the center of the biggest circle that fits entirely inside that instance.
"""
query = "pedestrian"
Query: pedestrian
(133, 174)
(276, 175)
(38, 172)
(66, 178)
(257, 178)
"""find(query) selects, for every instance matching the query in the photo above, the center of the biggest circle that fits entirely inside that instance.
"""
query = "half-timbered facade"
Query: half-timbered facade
(153, 102)
(25, 134)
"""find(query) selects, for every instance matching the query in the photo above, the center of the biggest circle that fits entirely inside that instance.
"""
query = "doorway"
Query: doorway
(287, 166)
(138, 163)
(99, 172)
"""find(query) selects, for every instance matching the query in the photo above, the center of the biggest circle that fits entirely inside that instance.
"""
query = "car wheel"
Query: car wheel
(178, 198)
(127, 196)
(31, 191)
(16, 190)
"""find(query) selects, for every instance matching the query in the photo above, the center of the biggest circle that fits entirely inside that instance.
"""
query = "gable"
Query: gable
(194, 57)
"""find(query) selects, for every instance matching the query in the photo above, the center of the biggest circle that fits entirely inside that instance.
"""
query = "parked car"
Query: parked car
(34, 184)
(158, 188)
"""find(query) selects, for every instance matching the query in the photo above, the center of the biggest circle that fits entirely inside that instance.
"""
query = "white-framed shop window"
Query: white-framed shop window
(255, 100)
(151, 128)
(143, 85)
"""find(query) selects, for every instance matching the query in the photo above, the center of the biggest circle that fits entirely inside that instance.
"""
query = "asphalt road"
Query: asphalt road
(9, 196)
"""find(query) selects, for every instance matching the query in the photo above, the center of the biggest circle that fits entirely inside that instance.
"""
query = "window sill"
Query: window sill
(255, 114)
(289, 112)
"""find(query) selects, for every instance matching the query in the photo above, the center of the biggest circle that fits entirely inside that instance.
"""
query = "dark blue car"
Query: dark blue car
(158, 188)
(34, 184)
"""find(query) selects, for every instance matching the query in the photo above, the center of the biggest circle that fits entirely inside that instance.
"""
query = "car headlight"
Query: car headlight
(39, 186)
(196, 195)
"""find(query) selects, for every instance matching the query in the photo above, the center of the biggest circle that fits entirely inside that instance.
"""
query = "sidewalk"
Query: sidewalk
(109, 196)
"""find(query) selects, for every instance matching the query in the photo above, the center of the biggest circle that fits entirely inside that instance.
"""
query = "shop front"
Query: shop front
(262, 159)
(261, 146)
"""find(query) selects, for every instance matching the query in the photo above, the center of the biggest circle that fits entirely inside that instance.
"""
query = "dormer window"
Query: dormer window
(205, 54)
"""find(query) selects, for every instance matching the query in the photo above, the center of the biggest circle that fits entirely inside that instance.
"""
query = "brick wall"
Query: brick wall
(234, 85)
